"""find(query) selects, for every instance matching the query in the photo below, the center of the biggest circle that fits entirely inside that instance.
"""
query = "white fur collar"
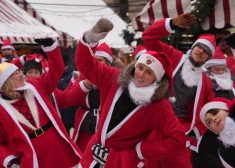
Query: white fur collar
(227, 136)
(190, 74)
(30, 98)
(223, 81)
(141, 95)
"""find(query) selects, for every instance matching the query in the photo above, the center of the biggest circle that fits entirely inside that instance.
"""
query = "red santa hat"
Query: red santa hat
(6, 69)
(216, 103)
(207, 42)
(33, 61)
(7, 44)
(218, 59)
(140, 49)
(160, 64)
(104, 50)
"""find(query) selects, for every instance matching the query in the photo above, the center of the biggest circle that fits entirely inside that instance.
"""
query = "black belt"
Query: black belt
(40, 131)
(95, 111)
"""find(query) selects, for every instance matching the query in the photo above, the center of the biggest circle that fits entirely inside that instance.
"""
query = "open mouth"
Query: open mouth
(218, 123)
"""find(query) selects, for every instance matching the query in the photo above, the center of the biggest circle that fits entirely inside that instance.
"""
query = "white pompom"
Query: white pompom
(37, 60)
(140, 164)
(46, 69)
(172, 99)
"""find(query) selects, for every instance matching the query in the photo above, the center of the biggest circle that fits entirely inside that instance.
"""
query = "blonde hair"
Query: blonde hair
(8, 88)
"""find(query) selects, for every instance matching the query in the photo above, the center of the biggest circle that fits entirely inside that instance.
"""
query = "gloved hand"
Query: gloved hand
(15, 166)
(183, 22)
(229, 40)
(100, 153)
(46, 42)
(98, 31)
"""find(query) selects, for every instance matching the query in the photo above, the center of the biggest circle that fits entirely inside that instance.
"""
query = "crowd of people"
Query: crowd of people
(166, 109)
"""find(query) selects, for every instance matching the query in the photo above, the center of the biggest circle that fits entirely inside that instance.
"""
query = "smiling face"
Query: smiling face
(7, 51)
(215, 119)
(17, 79)
(33, 73)
(143, 76)
(199, 55)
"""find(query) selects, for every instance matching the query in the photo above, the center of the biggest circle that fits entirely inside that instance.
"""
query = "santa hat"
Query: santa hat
(33, 62)
(7, 44)
(104, 50)
(216, 103)
(160, 64)
(207, 42)
(218, 59)
(140, 49)
(6, 69)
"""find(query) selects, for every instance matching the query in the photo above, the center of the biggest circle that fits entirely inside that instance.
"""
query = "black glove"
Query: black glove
(46, 42)
(230, 40)
(100, 153)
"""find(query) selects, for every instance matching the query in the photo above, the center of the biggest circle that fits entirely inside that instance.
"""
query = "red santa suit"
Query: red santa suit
(204, 91)
(131, 133)
(53, 148)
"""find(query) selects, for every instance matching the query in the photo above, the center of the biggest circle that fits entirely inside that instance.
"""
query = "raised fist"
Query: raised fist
(99, 30)
(183, 22)
(46, 42)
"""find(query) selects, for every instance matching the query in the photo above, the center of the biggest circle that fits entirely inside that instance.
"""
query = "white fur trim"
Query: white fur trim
(108, 117)
(225, 164)
(207, 43)
(10, 112)
(155, 65)
(8, 159)
(104, 54)
(209, 106)
(77, 133)
(215, 62)
(190, 74)
(115, 129)
(88, 44)
(199, 138)
(183, 59)
(71, 131)
(56, 104)
(7, 73)
(83, 87)
(138, 151)
(47, 111)
(168, 27)
(29, 97)
(50, 48)
(22, 61)
(199, 86)
(233, 51)
(140, 53)
(140, 164)
(8, 46)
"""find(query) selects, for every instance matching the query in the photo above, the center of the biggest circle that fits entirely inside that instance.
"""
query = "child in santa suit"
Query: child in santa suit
(32, 134)
(215, 116)
(132, 105)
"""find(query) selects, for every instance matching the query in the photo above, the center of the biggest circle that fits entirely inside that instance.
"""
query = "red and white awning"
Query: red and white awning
(18, 26)
(65, 39)
(224, 13)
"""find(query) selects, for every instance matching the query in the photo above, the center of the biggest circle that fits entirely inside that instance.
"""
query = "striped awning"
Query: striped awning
(224, 13)
(65, 39)
(18, 26)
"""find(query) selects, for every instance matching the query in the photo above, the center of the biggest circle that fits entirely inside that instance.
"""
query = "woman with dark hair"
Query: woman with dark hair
(215, 116)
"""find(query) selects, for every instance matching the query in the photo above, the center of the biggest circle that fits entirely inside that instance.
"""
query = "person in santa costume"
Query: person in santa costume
(139, 50)
(87, 115)
(217, 70)
(218, 115)
(132, 105)
(8, 51)
(192, 88)
(31, 132)
(229, 41)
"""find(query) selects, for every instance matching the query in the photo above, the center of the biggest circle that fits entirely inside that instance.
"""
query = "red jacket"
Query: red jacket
(134, 129)
(204, 94)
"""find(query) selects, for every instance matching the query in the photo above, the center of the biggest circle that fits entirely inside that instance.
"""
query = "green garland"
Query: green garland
(203, 8)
